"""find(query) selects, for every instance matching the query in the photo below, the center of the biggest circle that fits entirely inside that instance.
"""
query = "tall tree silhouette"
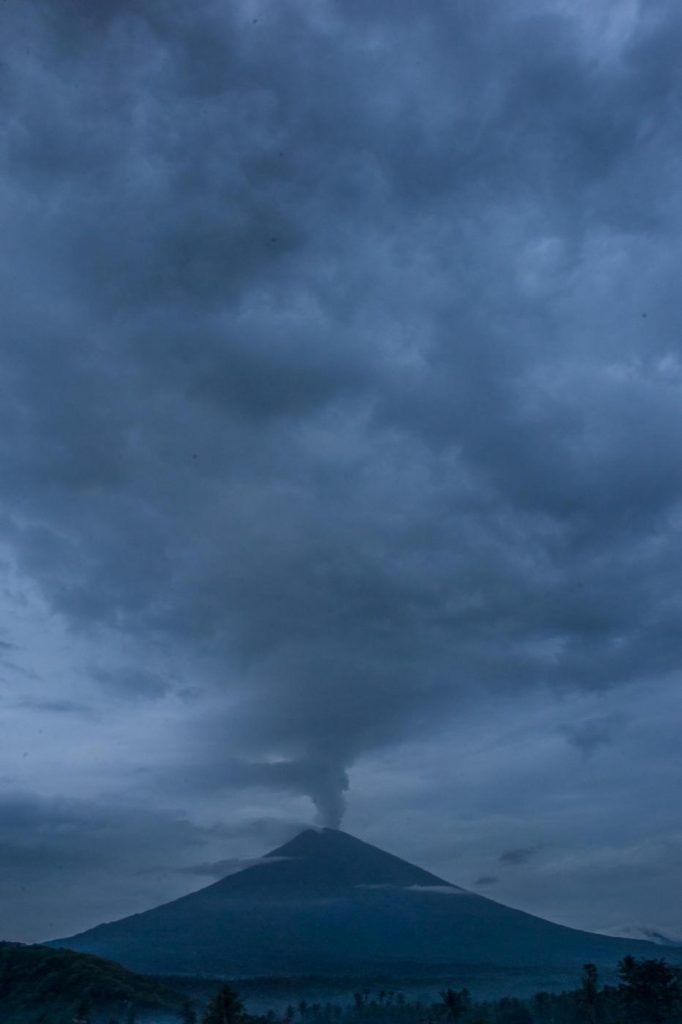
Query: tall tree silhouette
(225, 1008)
(455, 1004)
(589, 993)
(649, 989)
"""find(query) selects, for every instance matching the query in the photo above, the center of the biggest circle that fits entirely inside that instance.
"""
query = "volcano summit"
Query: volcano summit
(328, 904)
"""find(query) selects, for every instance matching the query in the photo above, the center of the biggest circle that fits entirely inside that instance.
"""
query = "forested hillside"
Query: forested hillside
(39, 985)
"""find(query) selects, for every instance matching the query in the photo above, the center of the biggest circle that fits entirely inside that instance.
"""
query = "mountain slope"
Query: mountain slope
(326, 903)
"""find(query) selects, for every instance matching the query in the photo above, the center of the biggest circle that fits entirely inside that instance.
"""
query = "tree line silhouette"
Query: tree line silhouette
(648, 992)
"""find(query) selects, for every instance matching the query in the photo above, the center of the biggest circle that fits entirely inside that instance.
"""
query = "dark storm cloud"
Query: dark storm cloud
(521, 855)
(215, 869)
(58, 707)
(66, 864)
(51, 832)
(220, 868)
(327, 371)
(130, 683)
(593, 733)
(52, 852)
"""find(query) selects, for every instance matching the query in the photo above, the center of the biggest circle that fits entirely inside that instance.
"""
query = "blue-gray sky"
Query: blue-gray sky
(340, 446)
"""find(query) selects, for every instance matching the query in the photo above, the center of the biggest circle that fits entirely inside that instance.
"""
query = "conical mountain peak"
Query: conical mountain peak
(327, 842)
(328, 904)
(327, 859)
(313, 841)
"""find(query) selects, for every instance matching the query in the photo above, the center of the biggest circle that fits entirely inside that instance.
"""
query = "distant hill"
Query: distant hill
(327, 904)
(40, 985)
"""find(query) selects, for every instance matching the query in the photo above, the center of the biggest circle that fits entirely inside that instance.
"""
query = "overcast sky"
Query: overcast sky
(340, 447)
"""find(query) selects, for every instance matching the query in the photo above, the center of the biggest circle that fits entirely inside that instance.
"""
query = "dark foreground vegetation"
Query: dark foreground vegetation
(648, 992)
(39, 985)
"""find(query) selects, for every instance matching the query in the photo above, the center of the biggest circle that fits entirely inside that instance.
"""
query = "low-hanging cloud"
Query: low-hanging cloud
(519, 855)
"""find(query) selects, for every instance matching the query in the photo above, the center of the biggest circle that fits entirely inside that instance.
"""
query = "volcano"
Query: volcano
(327, 904)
